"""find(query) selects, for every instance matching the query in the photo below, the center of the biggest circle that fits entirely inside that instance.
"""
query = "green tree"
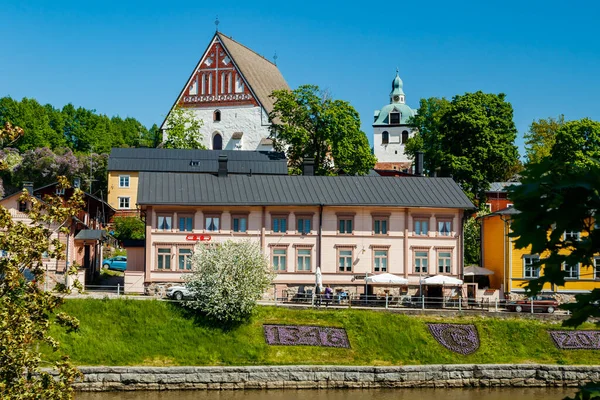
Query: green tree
(577, 143)
(472, 235)
(183, 130)
(541, 138)
(129, 228)
(307, 123)
(470, 138)
(228, 279)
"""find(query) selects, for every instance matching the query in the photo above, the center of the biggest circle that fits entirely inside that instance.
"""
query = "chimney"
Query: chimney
(29, 187)
(77, 183)
(419, 163)
(308, 166)
(222, 165)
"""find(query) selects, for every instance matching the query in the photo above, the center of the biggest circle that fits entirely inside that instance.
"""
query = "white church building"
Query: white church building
(391, 130)
(229, 91)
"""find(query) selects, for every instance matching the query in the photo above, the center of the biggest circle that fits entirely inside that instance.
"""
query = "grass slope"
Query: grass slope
(133, 332)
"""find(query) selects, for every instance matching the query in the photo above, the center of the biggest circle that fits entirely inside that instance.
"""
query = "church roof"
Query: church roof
(383, 118)
(261, 74)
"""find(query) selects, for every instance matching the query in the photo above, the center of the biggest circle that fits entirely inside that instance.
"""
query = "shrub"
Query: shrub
(227, 279)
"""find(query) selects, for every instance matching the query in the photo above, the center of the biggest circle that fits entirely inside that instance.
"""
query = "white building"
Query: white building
(391, 130)
(229, 91)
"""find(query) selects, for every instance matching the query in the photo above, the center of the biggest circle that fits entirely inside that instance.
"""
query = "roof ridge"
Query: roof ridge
(246, 47)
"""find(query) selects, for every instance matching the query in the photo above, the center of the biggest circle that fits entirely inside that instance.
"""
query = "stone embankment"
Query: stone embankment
(323, 377)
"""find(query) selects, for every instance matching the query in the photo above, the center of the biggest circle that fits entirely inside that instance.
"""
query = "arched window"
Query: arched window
(209, 83)
(217, 142)
(385, 137)
(217, 116)
(203, 84)
(229, 83)
(222, 82)
(404, 137)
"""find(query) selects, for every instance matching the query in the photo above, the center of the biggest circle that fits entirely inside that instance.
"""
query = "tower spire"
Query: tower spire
(217, 23)
(275, 58)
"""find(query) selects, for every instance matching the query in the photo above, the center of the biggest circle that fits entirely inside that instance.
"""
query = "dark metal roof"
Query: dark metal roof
(505, 211)
(501, 187)
(157, 188)
(204, 161)
(91, 234)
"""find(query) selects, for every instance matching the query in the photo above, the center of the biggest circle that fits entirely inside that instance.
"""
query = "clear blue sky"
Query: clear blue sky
(132, 58)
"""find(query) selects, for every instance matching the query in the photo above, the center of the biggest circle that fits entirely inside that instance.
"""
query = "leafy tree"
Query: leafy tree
(472, 235)
(577, 143)
(129, 228)
(43, 166)
(308, 123)
(183, 130)
(541, 138)
(470, 138)
(228, 279)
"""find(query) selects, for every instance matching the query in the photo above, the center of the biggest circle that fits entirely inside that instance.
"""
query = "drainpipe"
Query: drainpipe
(320, 238)
(262, 229)
(462, 246)
(504, 238)
(406, 265)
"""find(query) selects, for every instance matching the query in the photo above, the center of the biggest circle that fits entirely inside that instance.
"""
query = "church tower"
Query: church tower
(391, 130)
(229, 91)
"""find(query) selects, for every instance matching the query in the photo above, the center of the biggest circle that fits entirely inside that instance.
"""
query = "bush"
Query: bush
(227, 280)
(129, 228)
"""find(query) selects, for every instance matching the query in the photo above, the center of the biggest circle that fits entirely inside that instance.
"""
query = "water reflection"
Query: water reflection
(341, 394)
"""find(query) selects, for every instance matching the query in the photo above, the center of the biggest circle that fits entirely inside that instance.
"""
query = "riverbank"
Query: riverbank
(333, 377)
(154, 333)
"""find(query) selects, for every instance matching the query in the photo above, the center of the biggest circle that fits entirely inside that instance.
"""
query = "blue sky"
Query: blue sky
(132, 58)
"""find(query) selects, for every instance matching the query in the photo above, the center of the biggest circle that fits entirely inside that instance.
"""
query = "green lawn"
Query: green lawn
(134, 332)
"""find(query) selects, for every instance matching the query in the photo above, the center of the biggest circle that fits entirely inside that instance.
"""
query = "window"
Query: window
(217, 116)
(186, 223)
(345, 225)
(164, 222)
(217, 142)
(123, 202)
(380, 261)
(444, 262)
(345, 259)
(239, 84)
(222, 82)
(421, 262)
(444, 227)
(572, 236)
(60, 191)
(530, 270)
(380, 225)
(597, 268)
(22, 206)
(185, 259)
(385, 137)
(488, 207)
(404, 137)
(240, 223)
(572, 271)
(212, 222)
(123, 181)
(303, 256)
(164, 258)
(421, 226)
(279, 259)
(279, 224)
(394, 118)
(303, 225)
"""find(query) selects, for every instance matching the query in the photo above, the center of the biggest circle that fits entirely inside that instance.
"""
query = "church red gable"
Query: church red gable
(216, 82)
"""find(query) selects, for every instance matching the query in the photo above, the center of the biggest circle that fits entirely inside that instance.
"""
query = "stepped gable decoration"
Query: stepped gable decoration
(460, 338)
(576, 340)
(305, 335)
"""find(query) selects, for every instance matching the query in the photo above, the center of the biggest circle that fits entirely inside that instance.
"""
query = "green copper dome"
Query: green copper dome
(397, 86)
(384, 115)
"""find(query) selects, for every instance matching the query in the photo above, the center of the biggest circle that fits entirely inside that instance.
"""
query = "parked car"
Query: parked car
(178, 292)
(118, 263)
(540, 304)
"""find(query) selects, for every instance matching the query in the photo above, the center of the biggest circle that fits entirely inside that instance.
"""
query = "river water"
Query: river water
(343, 394)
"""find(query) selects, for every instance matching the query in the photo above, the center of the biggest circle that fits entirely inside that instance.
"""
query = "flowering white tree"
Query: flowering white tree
(227, 279)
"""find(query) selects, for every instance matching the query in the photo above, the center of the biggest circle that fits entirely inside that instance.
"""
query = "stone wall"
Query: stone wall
(322, 377)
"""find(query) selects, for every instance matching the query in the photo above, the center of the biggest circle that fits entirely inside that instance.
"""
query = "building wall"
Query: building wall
(114, 191)
(400, 242)
(394, 150)
(497, 201)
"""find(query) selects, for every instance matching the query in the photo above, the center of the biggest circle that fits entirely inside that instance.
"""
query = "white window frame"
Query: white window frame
(572, 233)
(121, 202)
(577, 271)
(528, 261)
(121, 181)
(597, 268)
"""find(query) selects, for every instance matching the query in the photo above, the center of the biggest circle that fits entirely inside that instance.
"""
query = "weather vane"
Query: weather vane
(217, 23)
(275, 58)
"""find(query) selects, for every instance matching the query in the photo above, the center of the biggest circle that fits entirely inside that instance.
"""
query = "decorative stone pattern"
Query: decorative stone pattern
(305, 335)
(576, 340)
(322, 377)
(460, 338)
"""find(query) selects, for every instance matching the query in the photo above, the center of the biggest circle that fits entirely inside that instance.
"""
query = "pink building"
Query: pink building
(350, 226)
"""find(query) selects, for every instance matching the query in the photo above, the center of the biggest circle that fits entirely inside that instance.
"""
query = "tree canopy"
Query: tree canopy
(471, 138)
(541, 138)
(183, 130)
(307, 123)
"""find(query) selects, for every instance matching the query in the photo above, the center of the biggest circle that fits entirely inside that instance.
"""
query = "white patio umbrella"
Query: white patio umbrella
(386, 278)
(442, 280)
(318, 280)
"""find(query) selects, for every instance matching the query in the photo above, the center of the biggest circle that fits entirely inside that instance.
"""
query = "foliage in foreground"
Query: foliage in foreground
(183, 130)
(25, 308)
(228, 279)
(163, 333)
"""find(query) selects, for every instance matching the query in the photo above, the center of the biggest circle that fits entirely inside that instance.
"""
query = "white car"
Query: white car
(178, 292)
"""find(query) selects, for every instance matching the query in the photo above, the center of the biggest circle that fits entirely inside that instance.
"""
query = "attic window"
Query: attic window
(394, 118)
(194, 163)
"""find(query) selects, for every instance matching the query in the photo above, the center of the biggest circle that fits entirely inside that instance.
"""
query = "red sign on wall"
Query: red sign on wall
(202, 238)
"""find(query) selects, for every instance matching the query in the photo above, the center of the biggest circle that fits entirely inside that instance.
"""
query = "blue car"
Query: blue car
(118, 263)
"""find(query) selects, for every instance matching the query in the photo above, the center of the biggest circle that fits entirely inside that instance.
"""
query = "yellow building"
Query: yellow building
(513, 267)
